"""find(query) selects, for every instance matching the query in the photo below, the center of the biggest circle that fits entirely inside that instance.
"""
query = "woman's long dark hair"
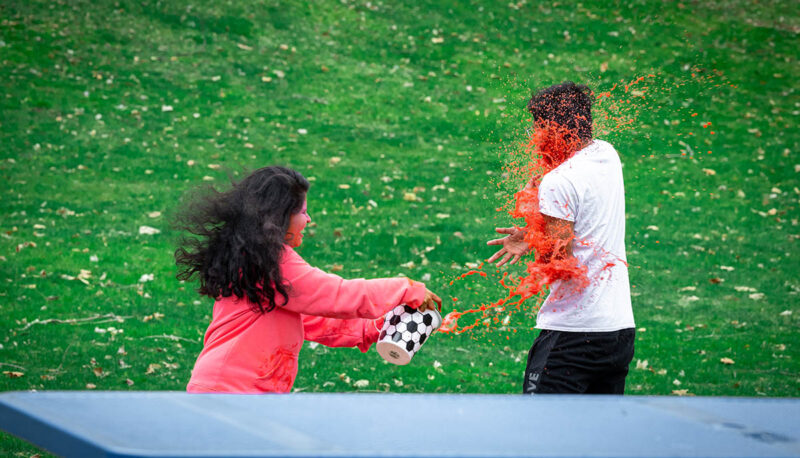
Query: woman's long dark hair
(238, 237)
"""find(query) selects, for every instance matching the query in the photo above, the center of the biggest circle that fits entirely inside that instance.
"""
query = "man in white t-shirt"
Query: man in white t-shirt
(587, 332)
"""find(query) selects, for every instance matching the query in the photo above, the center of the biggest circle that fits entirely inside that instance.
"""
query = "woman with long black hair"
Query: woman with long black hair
(268, 299)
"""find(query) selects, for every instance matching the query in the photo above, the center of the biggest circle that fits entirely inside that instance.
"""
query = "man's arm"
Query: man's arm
(561, 232)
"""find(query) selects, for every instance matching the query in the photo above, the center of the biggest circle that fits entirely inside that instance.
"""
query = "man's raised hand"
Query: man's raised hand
(513, 244)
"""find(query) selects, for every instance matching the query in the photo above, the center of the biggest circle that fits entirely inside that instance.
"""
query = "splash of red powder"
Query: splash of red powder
(548, 147)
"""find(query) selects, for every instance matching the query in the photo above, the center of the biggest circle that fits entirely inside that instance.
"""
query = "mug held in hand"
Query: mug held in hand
(404, 332)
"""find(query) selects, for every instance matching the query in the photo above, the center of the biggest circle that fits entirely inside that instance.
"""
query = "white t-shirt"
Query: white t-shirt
(588, 190)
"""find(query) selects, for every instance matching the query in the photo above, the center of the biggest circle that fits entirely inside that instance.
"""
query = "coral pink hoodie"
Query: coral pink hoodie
(249, 352)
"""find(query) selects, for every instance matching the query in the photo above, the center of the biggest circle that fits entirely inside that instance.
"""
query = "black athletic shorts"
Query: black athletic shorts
(579, 362)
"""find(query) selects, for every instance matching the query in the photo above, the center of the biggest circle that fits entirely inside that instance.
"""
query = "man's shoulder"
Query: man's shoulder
(602, 143)
(604, 147)
(558, 175)
(599, 153)
(583, 161)
(597, 145)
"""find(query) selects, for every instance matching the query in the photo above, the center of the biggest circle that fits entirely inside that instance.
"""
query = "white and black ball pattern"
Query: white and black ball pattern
(408, 327)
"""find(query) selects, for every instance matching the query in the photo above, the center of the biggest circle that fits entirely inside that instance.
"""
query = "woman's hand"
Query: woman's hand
(514, 246)
(431, 302)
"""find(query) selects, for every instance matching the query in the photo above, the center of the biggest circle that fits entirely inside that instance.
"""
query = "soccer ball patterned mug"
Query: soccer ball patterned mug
(404, 332)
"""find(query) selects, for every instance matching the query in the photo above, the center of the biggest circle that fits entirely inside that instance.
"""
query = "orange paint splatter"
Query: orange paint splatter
(548, 147)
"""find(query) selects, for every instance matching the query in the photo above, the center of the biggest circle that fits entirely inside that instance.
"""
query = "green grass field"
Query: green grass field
(404, 118)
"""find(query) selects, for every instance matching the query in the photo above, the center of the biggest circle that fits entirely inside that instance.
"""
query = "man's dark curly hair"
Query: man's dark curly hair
(566, 105)
(238, 237)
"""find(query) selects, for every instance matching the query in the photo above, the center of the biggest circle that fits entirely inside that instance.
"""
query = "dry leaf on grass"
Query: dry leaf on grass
(681, 393)
(744, 289)
(154, 316)
(84, 276)
(147, 230)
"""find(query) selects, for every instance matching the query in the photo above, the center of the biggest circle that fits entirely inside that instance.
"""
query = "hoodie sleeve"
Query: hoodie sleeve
(333, 332)
(317, 293)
